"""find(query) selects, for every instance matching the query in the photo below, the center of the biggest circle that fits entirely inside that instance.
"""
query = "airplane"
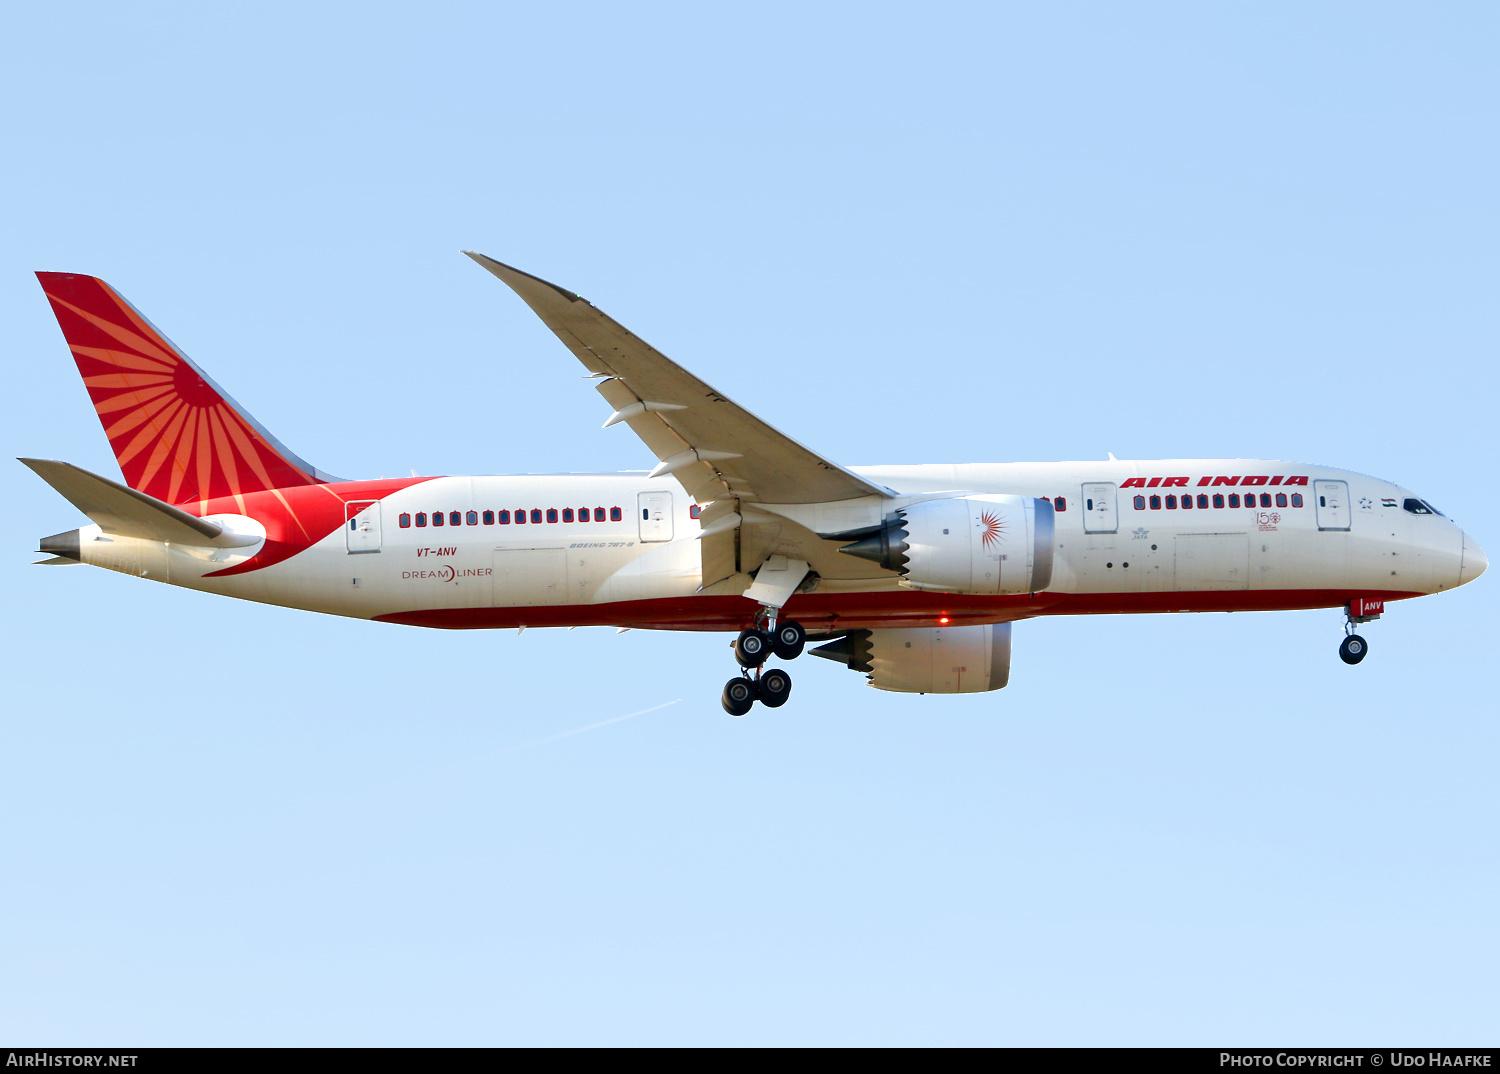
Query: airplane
(910, 574)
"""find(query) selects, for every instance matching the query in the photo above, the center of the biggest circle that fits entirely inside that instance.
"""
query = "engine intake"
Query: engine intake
(984, 545)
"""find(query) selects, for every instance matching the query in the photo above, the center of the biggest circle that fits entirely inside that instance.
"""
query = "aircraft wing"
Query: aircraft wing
(714, 448)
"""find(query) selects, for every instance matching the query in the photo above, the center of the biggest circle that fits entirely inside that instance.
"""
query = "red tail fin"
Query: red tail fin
(177, 436)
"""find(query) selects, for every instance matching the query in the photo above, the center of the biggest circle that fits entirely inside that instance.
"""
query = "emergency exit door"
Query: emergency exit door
(362, 525)
(654, 511)
(1333, 504)
(1099, 507)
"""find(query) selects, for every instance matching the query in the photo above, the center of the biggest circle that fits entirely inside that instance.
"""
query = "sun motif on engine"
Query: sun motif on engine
(994, 529)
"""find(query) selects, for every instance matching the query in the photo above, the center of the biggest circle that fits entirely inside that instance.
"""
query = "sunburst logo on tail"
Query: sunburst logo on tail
(994, 529)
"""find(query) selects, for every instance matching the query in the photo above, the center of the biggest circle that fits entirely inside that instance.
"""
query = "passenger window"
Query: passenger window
(405, 521)
(1059, 504)
(421, 518)
(454, 518)
(1234, 499)
(1171, 503)
(1265, 499)
(489, 518)
(551, 514)
(616, 516)
(1156, 503)
(437, 518)
(505, 518)
(693, 512)
(1187, 503)
(1203, 503)
(583, 514)
(1140, 503)
(598, 514)
(1281, 499)
(472, 518)
(567, 514)
(520, 516)
(1088, 505)
(1218, 499)
(536, 515)
(1296, 499)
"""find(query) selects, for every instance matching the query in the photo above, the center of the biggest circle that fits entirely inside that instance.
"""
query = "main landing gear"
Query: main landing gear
(751, 649)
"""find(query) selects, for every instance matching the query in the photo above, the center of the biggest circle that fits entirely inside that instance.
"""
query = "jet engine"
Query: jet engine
(975, 544)
(927, 660)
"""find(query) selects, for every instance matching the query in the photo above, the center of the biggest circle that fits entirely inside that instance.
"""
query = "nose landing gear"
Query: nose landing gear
(1359, 610)
(751, 650)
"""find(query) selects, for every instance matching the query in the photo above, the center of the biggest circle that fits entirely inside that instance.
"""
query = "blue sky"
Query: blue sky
(947, 233)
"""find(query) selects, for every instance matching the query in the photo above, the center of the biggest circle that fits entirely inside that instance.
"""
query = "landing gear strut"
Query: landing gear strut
(751, 650)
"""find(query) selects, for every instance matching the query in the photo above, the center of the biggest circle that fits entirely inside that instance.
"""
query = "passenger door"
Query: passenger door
(362, 525)
(1333, 504)
(1099, 507)
(654, 510)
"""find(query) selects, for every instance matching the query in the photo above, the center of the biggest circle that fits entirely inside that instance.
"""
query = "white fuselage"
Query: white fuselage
(1350, 535)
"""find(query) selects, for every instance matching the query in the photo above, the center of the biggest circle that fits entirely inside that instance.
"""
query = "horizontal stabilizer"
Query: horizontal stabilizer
(116, 509)
(55, 561)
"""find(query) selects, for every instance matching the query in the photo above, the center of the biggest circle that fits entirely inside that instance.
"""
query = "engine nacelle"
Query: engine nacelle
(927, 660)
(974, 544)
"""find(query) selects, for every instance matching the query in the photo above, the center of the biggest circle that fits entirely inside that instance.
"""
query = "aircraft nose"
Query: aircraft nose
(1474, 561)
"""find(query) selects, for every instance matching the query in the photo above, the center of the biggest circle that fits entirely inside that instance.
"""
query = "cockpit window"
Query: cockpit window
(1417, 507)
(1433, 509)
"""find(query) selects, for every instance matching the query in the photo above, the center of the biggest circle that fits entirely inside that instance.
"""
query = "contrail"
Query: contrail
(560, 735)
(470, 762)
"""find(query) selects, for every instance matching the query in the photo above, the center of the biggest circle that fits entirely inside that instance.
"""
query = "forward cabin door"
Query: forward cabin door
(1099, 507)
(654, 510)
(362, 525)
(1333, 504)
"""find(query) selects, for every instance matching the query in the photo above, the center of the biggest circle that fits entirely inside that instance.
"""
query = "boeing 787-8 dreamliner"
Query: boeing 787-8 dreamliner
(912, 575)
